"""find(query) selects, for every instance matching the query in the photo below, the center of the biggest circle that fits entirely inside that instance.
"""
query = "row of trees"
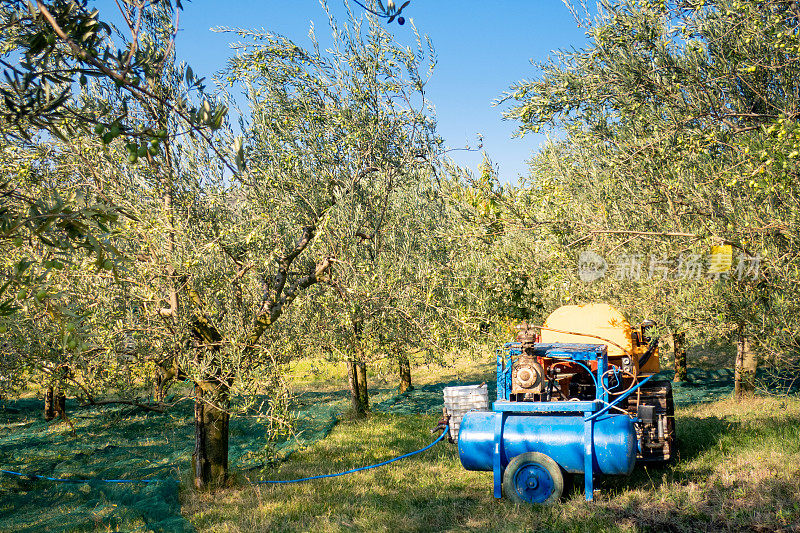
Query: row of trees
(680, 124)
(212, 256)
(146, 238)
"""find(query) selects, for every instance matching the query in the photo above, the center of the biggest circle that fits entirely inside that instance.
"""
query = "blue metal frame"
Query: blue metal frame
(511, 351)
(503, 406)
(506, 356)
(588, 455)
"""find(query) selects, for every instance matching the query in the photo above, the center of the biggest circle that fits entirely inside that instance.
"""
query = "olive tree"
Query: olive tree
(681, 124)
(218, 248)
(389, 298)
(51, 52)
(331, 135)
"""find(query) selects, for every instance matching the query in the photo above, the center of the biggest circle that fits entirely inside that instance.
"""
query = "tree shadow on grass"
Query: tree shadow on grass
(693, 493)
(696, 504)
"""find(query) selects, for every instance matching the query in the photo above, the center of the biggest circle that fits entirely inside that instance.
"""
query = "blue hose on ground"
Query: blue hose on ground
(61, 480)
(429, 446)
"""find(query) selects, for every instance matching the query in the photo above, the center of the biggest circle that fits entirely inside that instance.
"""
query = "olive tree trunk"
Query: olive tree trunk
(211, 418)
(405, 374)
(745, 368)
(55, 403)
(357, 381)
(158, 385)
(363, 394)
(211, 405)
(49, 404)
(61, 403)
(679, 351)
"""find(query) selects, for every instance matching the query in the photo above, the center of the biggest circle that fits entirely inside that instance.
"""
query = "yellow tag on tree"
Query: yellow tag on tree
(721, 259)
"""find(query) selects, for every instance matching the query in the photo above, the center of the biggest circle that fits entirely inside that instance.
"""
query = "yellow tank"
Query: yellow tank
(537, 377)
(600, 323)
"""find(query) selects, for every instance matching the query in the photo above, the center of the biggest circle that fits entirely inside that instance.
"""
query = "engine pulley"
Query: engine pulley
(527, 376)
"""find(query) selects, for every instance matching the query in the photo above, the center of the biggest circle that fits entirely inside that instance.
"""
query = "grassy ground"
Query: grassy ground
(738, 469)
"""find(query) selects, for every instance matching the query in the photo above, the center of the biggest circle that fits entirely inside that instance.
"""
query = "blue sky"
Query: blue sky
(482, 47)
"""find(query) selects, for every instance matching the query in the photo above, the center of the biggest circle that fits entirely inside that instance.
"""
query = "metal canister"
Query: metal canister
(561, 437)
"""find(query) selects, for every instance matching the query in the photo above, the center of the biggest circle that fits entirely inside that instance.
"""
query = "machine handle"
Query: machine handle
(650, 349)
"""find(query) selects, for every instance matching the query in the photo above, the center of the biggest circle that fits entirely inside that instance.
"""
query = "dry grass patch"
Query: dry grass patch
(739, 469)
(327, 376)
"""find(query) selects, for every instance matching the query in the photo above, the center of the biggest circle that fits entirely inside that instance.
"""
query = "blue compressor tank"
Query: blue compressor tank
(560, 437)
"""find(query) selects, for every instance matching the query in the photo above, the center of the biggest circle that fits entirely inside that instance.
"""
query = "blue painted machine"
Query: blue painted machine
(561, 408)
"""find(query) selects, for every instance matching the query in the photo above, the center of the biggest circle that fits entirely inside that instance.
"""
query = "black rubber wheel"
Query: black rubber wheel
(533, 477)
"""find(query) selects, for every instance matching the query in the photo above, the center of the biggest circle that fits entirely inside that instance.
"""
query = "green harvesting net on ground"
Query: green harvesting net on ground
(122, 443)
(108, 443)
(127, 443)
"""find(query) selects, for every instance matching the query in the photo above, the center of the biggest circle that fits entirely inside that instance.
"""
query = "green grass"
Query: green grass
(738, 469)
